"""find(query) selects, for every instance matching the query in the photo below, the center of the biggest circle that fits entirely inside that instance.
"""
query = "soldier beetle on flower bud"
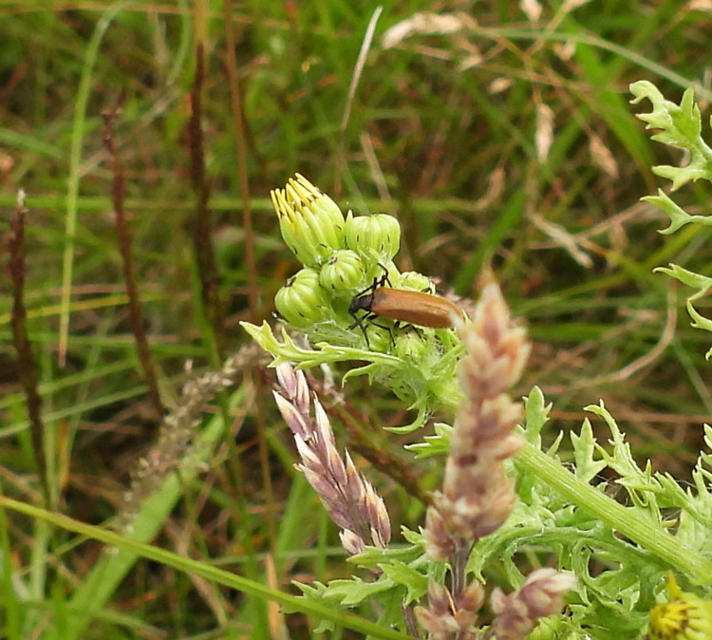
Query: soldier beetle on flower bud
(412, 307)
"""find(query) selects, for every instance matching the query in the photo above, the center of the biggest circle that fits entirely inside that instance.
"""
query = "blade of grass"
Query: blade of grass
(75, 156)
(130, 549)
(9, 599)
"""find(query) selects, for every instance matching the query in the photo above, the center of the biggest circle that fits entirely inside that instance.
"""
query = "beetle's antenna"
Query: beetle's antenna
(384, 279)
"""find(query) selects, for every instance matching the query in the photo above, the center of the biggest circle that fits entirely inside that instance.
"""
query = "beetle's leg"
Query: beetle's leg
(384, 326)
(371, 287)
(359, 322)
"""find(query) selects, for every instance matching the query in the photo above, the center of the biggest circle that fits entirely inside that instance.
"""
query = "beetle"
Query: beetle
(413, 307)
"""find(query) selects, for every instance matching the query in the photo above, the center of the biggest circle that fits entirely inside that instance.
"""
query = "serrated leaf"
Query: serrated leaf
(416, 583)
(698, 320)
(697, 281)
(422, 404)
(680, 126)
(435, 445)
(536, 415)
(347, 593)
(554, 447)
(371, 557)
(690, 278)
(356, 591)
(288, 351)
(678, 216)
(584, 445)
(413, 537)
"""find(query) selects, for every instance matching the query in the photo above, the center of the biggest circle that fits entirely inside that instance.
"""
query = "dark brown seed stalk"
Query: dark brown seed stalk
(123, 234)
(25, 362)
(201, 225)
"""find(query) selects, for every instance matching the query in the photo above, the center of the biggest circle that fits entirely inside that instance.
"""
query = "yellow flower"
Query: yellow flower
(684, 617)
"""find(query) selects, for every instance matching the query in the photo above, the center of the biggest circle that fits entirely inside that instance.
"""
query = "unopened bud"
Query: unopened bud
(302, 301)
(374, 237)
(343, 272)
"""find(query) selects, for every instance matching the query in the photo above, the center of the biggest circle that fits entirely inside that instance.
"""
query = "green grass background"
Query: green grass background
(443, 134)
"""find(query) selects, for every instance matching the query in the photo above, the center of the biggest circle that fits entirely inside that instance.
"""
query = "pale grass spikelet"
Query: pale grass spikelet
(499, 85)
(427, 23)
(439, 545)
(541, 595)
(177, 431)
(601, 155)
(532, 9)
(446, 616)
(352, 543)
(349, 499)
(477, 496)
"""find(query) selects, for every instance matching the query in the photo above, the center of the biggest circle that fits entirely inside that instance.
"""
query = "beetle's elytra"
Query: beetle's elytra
(413, 307)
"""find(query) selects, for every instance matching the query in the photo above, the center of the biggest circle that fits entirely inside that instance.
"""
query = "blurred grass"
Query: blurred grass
(442, 133)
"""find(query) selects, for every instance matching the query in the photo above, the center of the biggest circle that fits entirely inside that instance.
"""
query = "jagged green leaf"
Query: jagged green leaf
(536, 415)
(584, 446)
(416, 583)
(680, 126)
(435, 445)
(678, 216)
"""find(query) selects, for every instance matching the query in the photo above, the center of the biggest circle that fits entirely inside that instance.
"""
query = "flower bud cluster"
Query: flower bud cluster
(340, 255)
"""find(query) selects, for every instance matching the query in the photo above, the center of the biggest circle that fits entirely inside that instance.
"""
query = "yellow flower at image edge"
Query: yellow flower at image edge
(311, 223)
(684, 617)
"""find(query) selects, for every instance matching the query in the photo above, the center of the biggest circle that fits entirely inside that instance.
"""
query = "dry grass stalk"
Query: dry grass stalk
(350, 500)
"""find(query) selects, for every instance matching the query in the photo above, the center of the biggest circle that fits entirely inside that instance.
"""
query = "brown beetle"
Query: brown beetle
(414, 307)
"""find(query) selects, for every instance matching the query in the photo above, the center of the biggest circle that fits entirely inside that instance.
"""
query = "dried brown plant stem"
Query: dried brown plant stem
(239, 123)
(123, 233)
(201, 225)
(25, 362)
(252, 289)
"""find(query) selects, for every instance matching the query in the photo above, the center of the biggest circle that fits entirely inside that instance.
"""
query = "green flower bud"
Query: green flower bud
(302, 301)
(311, 223)
(376, 236)
(415, 282)
(343, 272)
(410, 346)
(379, 338)
(685, 617)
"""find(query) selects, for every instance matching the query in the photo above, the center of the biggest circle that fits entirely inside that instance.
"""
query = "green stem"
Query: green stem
(634, 525)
